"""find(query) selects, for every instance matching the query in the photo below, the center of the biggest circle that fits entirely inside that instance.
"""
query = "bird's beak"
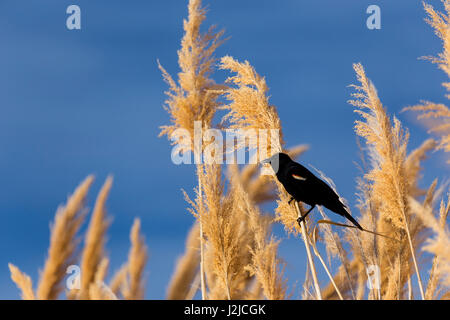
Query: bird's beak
(265, 161)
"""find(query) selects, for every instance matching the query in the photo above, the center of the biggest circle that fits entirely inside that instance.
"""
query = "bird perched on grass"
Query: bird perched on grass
(304, 186)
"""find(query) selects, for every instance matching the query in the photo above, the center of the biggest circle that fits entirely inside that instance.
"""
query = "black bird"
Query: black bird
(304, 186)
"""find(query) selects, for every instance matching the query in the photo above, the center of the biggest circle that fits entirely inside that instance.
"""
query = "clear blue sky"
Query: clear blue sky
(74, 103)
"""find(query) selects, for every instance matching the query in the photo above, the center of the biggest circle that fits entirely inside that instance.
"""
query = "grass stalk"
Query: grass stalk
(202, 253)
(330, 276)
(308, 253)
(413, 255)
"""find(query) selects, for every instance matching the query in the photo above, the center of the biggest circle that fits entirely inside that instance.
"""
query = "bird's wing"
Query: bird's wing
(318, 190)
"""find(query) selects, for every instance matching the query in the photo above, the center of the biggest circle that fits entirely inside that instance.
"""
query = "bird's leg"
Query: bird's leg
(300, 219)
(290, 200)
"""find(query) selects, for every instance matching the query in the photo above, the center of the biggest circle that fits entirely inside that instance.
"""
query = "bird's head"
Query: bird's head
(277, 161)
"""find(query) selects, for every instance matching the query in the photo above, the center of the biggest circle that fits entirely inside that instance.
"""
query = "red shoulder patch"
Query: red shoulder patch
(296, 176)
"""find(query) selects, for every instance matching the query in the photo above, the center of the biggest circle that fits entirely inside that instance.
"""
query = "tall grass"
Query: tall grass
(231, 252)
(64, 245)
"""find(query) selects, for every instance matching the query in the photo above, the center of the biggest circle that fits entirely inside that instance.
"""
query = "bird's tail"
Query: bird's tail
(342, 210)
(353, 220)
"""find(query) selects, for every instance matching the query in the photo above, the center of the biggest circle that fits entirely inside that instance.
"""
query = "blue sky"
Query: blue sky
(74, 103)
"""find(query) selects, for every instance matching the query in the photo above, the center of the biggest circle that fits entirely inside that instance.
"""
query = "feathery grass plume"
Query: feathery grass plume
(246, 236)
(23, 282)
(213, 284)
(186, 267)
(440, 22)
(268, 269)
(137, 258)
(244, 285)
(98, 290)
(390, 184)
(440, 114)
(249, 109)
(440, 244)
(193, 98)
(265, 263)
(93, 251)
(387, 145)
(102, 270)
(261, 188)
(222, 229)
(63, 242)
(394, 287)
(412, 165)
(119, 280)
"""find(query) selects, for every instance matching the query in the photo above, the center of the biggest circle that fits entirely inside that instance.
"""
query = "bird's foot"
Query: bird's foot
(303, 217)
(300, 220)
(290, 200)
